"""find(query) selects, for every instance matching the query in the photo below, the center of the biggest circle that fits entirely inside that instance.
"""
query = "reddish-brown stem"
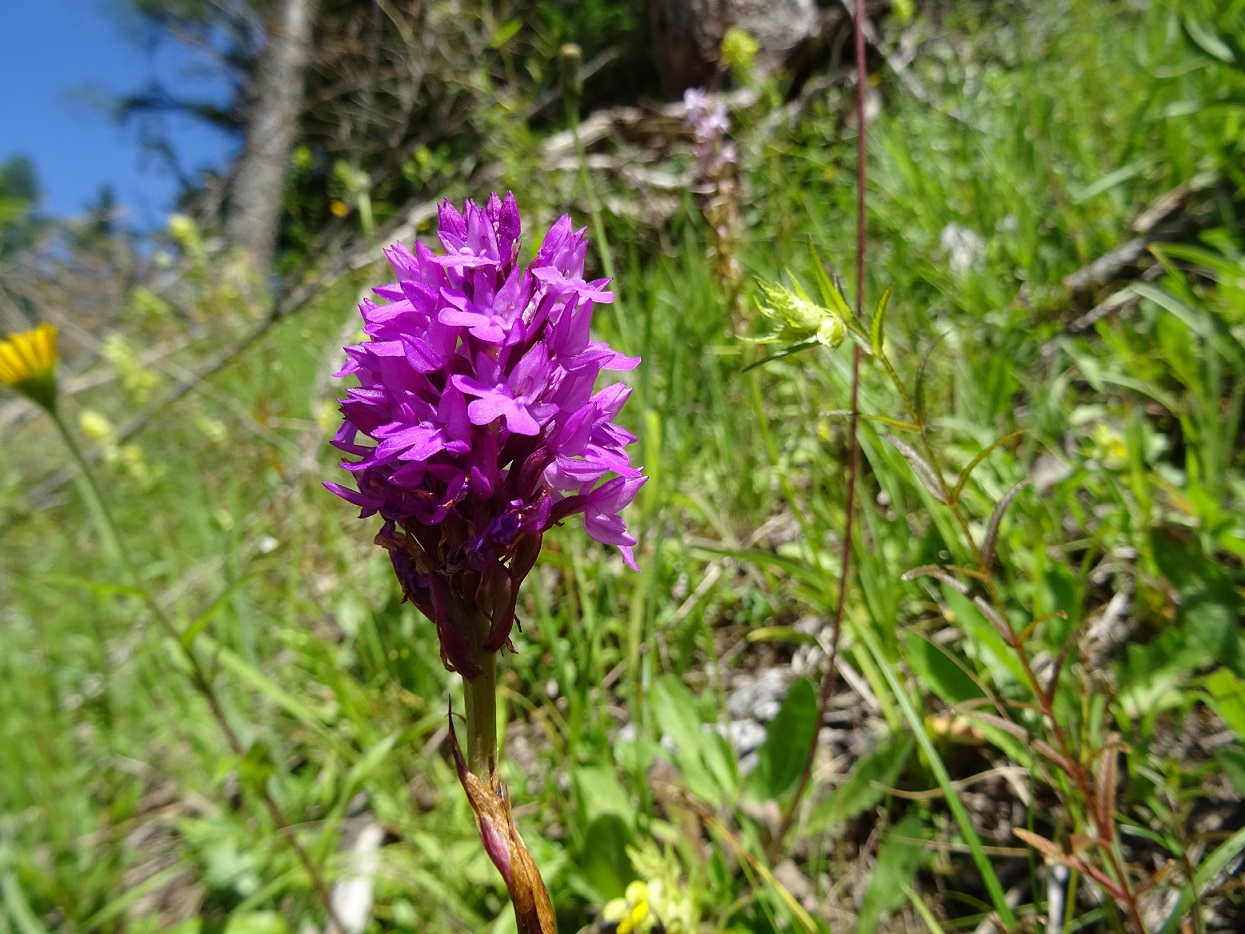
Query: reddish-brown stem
(853, 446)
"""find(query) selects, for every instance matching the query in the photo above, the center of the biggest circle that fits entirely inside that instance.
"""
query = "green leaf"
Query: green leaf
(599, 793)
(102, 588)
(1210, 608)
(674, 709)
(876, 335)
(936, 668)
(1232, 761)
(982, 455)
(990, 878)
(882, 419)
(248, 673)
(1206, 39)
(257, 922)
(831, 297)
(787, 739)
(1227, 697)
(898, 860)
(918, 385)
(988, 645)
(257, 766)
(193, 630)
(718, 755)
(1210, 867)
(923, 910)
(505, 33)
(778, 355)
(924, 472)
(780, 634)
(12, 899)
(368, 763)
(604, 863)
(1201, 321)
(866, 783)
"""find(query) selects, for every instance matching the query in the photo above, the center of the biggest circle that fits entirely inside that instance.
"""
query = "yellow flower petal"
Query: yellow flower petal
(637, 891)
(615, 910)
(28, 364)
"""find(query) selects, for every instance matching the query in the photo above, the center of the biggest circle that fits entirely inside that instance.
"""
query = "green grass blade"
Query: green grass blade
(1210, 867)
(988, 876)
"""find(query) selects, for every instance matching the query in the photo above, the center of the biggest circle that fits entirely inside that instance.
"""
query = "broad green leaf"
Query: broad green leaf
(787, 739)
(599, 793)
(935, 666)
(718, 755)
(1227, 697)
(674, 709)
(604, 863)
(998, 657)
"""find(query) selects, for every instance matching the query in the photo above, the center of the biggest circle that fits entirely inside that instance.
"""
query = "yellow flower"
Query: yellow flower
(338, 208)
(28, 364)
(630, 914)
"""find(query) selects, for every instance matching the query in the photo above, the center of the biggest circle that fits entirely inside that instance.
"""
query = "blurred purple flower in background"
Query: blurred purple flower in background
(709, 123)
(476, 423)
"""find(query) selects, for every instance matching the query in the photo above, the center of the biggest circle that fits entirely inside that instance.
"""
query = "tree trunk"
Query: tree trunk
(259, 184)
(687, 35)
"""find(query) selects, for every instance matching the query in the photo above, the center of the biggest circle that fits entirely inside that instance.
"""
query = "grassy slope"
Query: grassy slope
(113, 773)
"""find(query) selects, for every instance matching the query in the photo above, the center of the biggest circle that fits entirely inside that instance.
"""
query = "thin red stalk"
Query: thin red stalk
(853, 443)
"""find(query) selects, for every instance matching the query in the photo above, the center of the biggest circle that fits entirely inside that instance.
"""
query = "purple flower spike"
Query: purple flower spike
(476, 392)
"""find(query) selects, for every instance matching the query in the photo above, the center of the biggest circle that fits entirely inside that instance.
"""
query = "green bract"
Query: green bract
(798, 318)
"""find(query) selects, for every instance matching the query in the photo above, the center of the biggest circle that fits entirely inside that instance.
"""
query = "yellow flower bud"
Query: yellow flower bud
(182, 229)
(831, 332)
(95, 426)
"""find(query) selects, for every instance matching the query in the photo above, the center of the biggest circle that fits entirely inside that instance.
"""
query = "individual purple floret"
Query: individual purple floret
(475, 421)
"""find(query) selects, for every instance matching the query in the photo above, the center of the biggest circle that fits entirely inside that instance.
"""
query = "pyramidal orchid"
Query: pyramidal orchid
(475, 423)
(474, 427)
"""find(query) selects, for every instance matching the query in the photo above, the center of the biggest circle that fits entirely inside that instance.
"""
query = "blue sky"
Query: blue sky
(60, 61)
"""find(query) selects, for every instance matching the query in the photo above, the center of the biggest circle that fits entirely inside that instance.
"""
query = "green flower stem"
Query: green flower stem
(480, 694)
(98, 506)
(95, 503)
